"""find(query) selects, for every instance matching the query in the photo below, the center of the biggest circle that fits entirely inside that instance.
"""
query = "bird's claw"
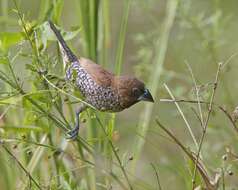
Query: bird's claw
(72, 134)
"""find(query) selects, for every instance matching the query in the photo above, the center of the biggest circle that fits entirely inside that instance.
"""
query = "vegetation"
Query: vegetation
(184, 50)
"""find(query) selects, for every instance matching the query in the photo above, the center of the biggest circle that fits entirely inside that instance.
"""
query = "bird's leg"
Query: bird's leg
(74, 132)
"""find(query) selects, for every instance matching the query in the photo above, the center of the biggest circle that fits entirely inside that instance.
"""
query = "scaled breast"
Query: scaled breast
(102, 98)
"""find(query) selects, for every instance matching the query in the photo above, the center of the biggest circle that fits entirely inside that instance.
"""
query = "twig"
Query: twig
(229, 117)
(33, 47)
(211, 184)
(63, 92)
(116, 154)
(197, 92)
(21, 166)
(118, 180)
(5, 112)
(206, 123)
(196, 114)
(182, 114)
(157, 176)
(229, 59)
(182, 101)
(173, 137)
(223, 178)
(203, 102)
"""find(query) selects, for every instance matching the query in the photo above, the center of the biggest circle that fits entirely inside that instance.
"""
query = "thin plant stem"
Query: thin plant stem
(33, 46)
(22, 167)
(122, 37)
(70, 95)
(207, 103)
(206, 123)
(183, 116)
(197, 92)
(116, 155)
(201, 168)
(157, 176)
(161, 47)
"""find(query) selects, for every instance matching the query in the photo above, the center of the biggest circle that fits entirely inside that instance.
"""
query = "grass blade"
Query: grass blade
(155, 77)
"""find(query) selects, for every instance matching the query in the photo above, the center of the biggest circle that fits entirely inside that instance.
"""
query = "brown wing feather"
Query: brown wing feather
(101, 76)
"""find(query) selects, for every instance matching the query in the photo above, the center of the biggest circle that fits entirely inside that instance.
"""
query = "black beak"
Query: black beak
(146, 96)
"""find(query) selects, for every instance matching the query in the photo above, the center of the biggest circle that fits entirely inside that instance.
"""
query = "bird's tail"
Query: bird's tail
(67, 53)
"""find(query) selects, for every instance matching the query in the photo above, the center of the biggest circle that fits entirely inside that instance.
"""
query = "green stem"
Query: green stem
(161, 46)
(122, 37)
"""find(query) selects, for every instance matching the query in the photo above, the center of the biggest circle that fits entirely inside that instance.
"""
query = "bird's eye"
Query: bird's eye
(136, 91)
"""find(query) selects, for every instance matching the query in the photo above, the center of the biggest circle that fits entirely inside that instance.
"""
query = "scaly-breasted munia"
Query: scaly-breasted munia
(100, 88)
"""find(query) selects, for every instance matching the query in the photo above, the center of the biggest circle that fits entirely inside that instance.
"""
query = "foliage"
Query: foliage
(187, 45)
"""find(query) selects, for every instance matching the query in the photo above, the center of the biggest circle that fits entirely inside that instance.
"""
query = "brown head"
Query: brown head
(131, 90)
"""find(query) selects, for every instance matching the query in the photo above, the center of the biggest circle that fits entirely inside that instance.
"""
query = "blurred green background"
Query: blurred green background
(157, 41)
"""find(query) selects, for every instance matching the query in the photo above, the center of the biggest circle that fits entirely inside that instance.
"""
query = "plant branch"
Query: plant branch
(206, 123)
(116, 155)
(210, 184)
(183, 116)
(21, 166)
(204, 102)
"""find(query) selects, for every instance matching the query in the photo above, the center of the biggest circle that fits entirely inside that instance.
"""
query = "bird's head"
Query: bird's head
(131, 90)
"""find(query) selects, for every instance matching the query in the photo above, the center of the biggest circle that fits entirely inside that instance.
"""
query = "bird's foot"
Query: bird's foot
(73, 133)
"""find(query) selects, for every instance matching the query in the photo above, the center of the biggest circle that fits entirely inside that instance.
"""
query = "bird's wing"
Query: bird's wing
(101, 76)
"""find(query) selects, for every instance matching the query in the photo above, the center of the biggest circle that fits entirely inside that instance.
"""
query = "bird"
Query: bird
(99, 87)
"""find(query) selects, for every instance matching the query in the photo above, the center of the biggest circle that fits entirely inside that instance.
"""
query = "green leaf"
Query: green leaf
(42, 98)
(45, 33)
(30, 67)
(57, 10)
(3, 60)
(30, 118)
(21, 129)
(10, 100)
(8, 39)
